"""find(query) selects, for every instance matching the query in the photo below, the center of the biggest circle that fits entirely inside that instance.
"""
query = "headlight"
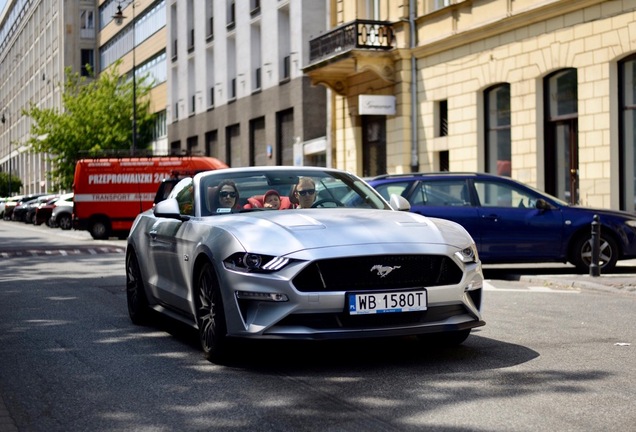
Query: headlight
(251, 262)
(468, 255)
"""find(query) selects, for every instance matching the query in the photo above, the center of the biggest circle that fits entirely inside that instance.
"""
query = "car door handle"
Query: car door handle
(492, 217)
(153, 235)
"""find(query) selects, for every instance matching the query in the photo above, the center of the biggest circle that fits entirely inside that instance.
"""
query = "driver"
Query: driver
(305, 192)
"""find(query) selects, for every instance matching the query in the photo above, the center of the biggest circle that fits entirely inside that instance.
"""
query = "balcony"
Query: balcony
(350, 49)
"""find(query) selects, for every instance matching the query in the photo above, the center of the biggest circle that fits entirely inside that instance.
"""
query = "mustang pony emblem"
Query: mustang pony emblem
(383, 270)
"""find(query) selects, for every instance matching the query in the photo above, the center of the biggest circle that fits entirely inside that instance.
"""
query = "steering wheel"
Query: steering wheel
(326, 200)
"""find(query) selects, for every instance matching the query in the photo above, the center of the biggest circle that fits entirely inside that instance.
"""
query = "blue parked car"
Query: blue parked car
(514, 223)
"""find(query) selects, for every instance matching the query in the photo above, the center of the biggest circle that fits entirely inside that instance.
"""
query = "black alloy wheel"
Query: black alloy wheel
(210, 315)
(135, 293)
(608, 254)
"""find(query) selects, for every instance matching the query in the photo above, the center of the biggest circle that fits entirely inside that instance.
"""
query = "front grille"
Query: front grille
(344, 321)
(381, 272)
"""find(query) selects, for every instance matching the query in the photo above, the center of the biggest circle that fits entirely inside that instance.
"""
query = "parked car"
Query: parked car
(62, 215)
(43, 212)
(33, 205)
(514, 223)
(19, 211)
(9, 205)
(350, 267)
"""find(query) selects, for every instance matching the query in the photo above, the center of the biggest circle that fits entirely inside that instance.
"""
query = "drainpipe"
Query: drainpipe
(415, 159)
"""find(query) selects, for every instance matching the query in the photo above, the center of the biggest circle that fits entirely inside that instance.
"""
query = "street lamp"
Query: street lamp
(4, 119)
(119, 19)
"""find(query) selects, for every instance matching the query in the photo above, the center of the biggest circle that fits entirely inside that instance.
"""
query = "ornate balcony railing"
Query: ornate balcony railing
(358, 34)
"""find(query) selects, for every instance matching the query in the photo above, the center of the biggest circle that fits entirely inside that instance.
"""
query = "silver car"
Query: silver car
(350, 266)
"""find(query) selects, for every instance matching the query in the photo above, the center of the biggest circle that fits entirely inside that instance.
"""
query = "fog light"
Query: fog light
(274, 297)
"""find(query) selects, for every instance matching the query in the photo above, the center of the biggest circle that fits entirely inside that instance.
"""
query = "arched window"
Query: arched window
(498, 146)
(627, 141)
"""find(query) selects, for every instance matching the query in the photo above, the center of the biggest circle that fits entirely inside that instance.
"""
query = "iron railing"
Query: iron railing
(358, 34)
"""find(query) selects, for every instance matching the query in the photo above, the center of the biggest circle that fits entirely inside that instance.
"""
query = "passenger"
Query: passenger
(227, 197)
(271, 200)
(305, 192)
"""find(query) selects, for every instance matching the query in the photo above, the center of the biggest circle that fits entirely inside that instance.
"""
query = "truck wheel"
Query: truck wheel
(100, 229)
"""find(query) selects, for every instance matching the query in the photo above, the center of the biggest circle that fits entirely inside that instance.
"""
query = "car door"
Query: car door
(512, 228)
(166, 238)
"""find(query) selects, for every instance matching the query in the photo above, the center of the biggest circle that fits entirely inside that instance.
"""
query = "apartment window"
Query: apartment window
(87, 24)
(175, 148)
(255, 7)
(193, 105)
(212, 144)
(191, 41)
(210, 28)
(444, 160)
(212, 97)
(233, 89)
(192, 145)
(286, 67)
(257, 79)
(498, 143)
(433, 5)
(627, 133)
(174, 50)
(231, 15)
(88, 62)
(441, 124)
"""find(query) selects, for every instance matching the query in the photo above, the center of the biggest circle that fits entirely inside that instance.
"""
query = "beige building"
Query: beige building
(541, 90)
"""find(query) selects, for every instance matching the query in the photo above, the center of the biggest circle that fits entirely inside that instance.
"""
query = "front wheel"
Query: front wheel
(582, 254)
(135, 292)
(64, 222)
(210, 315)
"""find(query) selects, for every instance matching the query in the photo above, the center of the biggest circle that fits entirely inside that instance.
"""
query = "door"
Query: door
(373, 145)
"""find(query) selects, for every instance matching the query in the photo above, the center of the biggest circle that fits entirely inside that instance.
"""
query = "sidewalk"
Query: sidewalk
(623, 280)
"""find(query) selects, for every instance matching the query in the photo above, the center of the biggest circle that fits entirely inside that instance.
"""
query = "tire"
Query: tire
(64, 222)
(135, 292)
(445, 339)
(100, 229)
(582, 254)
(210, 315)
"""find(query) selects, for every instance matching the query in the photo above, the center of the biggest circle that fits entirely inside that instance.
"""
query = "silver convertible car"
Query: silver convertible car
(349, 265)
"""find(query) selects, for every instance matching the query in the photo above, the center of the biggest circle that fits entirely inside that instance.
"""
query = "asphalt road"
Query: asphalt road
(70, 360)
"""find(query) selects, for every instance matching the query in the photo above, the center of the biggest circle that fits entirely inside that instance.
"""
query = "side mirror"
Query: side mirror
(398, 202)
(168, 208)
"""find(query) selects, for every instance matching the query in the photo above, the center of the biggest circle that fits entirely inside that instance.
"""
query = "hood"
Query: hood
(298, 229)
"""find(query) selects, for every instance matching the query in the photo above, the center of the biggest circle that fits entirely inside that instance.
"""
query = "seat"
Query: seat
(256, 201)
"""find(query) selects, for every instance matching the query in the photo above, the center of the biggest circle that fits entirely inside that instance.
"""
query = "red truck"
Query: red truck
(111, 192)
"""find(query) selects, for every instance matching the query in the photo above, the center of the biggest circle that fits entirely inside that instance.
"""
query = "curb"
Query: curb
(624, 283)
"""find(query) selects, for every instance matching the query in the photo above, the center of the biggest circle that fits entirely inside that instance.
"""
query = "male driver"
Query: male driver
(305, 192)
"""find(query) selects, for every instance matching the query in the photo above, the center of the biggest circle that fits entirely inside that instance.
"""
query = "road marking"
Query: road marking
(531, 289)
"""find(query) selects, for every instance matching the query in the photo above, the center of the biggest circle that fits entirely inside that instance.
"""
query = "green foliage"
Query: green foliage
(16, 184)
(96, 118)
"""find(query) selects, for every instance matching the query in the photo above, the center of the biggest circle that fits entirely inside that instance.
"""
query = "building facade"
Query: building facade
(38, 40)
(540, 90)
(237, 89)
(139, 40)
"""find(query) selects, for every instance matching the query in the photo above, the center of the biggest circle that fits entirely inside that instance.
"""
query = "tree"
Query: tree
(96, 119)
(16, 184)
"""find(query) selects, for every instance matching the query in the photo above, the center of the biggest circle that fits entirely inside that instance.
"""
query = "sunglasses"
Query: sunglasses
(306, 192)
(225, 194)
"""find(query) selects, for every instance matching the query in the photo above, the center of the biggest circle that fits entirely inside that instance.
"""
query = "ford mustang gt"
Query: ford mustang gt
(351, 265)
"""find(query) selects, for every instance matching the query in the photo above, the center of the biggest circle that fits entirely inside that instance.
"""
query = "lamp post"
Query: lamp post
(4, 119)
(119, 19)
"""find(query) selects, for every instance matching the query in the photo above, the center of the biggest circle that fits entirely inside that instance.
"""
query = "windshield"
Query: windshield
(231, 191)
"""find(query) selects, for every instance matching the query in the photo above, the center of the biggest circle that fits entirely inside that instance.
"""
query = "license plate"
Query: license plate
(387, 302)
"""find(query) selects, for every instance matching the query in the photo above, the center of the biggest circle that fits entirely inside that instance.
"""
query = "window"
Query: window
(498, 143)
(442, 118)
(503, 195)
(627, 136)
(88, 62)
(87, 24)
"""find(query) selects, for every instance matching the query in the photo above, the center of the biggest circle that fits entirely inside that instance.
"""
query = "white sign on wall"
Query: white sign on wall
(376, 105)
